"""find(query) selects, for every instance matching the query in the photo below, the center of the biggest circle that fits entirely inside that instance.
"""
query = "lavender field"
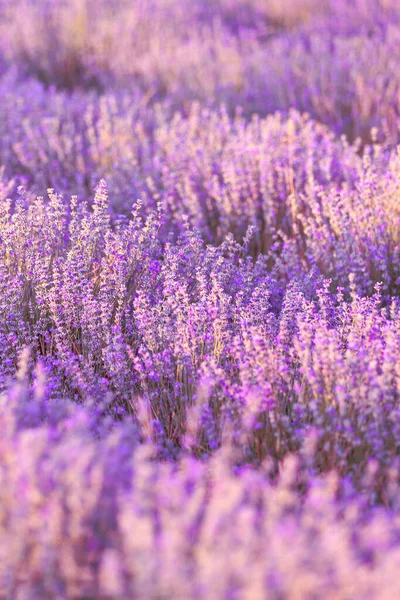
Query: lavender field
(199, 299)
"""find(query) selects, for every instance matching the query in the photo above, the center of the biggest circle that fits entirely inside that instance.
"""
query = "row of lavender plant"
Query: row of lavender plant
(312, 200)
(197, 337)
(82, 518)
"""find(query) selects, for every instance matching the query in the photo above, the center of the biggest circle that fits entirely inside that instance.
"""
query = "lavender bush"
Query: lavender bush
(199, 293)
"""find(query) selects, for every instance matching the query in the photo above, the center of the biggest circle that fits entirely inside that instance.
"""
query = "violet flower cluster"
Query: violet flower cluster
(199, 299)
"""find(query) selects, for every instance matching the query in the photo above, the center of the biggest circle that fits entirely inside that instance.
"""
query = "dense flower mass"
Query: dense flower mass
(199, 299)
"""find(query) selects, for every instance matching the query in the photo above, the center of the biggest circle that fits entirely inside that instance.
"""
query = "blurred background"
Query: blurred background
(336, 59)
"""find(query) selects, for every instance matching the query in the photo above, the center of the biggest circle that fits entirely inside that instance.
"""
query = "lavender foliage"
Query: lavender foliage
(199, 299)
